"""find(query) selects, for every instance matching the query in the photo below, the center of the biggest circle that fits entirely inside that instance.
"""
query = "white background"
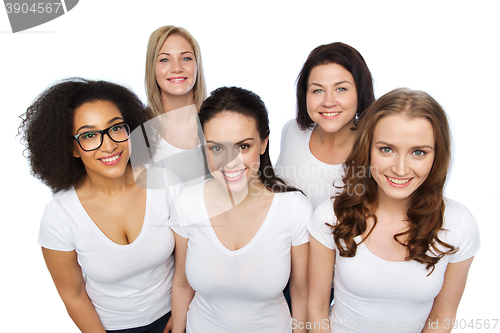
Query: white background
(448, 48)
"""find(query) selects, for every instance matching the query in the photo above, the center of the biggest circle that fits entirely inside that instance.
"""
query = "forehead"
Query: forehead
(330, 72)
(176, 43)
(229, 126)
(95, 113)
(404, 131)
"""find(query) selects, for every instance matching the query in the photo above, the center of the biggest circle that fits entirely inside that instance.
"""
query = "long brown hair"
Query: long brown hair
(425, 215)
(155, 43)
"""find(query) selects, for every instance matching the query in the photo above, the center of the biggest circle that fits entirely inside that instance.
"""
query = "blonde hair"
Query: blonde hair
(155, 43)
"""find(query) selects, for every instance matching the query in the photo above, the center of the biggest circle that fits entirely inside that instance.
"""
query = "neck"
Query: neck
(108, 186)
(392, 207)
(245, 197)
(172, 102)
(341, 139)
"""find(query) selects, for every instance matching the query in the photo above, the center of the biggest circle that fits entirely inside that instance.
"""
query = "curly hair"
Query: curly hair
(248, 104)
(155, 43)
(345, 56)
(426, 212)
(47, 126)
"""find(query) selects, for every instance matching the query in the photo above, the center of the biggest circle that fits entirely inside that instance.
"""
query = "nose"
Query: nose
(400, 167)
(233, 160)
(329, 100)
(176, 66)
(108, 145)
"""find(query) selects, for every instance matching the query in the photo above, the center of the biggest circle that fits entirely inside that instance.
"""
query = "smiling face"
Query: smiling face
(233, 150)
(402, 155)
(111, 158)
(331, 97)
(176, 67)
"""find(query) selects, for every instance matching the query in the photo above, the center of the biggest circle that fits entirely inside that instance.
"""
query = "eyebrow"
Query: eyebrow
(181, 53)
(335, 84)
(90, 127)
(391, 145)
(237, 143)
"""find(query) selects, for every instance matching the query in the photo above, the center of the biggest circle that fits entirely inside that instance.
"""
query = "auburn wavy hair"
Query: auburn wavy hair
(425, 216)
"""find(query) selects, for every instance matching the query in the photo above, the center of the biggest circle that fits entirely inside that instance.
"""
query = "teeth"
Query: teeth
(399, 181)
(330, 114)
(233, 174)
(111, 159)
(177, 80)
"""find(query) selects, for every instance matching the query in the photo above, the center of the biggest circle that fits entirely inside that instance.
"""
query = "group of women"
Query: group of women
(356, 198)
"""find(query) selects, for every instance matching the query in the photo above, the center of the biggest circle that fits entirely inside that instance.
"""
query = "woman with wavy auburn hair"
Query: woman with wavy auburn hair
(399, 253)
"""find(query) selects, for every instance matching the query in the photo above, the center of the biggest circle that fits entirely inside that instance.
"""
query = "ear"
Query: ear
(264, 145)
(75, 152)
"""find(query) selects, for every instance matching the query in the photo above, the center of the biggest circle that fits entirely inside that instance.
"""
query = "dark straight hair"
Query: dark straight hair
(248, 104)
(345, 56)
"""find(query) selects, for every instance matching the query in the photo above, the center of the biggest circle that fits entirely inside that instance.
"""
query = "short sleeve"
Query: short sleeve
(188, 209)
(304, 212)
(317, 227)
(55, 233)
(465, 231)
(177, 219)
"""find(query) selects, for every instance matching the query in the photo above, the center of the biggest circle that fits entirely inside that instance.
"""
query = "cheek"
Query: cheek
(252, 160)
(158, 72)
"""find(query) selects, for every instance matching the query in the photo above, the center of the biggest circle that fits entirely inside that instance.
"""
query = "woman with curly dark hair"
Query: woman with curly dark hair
(398, 251)
(105, 240)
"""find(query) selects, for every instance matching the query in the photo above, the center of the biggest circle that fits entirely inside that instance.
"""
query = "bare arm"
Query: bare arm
(444, 309)
(298, 286)
(321, 264)
(67, 276)
(182, 293)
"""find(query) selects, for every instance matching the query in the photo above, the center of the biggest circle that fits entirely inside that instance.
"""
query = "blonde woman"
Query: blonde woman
(175, 88)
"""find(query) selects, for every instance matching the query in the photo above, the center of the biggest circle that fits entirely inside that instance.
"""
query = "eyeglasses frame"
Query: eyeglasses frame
(104, 131)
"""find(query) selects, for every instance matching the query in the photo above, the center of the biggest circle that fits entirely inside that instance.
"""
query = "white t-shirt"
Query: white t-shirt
(242, 290)
(300, 168)
(377, 295)
(187, 164)
(129, 285)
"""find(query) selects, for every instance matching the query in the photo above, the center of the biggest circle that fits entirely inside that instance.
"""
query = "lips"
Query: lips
(398, 182)
(177, 79)
(232, 176)
(111, 160)
(330, 114)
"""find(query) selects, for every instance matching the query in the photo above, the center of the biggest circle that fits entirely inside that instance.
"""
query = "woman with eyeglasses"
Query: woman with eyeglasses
(106, 241)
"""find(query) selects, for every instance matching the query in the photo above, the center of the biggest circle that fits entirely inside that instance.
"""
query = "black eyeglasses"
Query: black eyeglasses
(92, 140)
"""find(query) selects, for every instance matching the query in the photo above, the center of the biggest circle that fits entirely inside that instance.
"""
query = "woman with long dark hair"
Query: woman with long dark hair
(241, 235)
(399, 252)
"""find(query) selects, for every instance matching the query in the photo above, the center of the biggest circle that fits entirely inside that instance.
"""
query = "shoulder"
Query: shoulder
(189, 195)
(60, 202)
(324, 212)
(460, 230)
(292, 128)
(295, 201)
(319, 228)
(188, 206)
(457, 216)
